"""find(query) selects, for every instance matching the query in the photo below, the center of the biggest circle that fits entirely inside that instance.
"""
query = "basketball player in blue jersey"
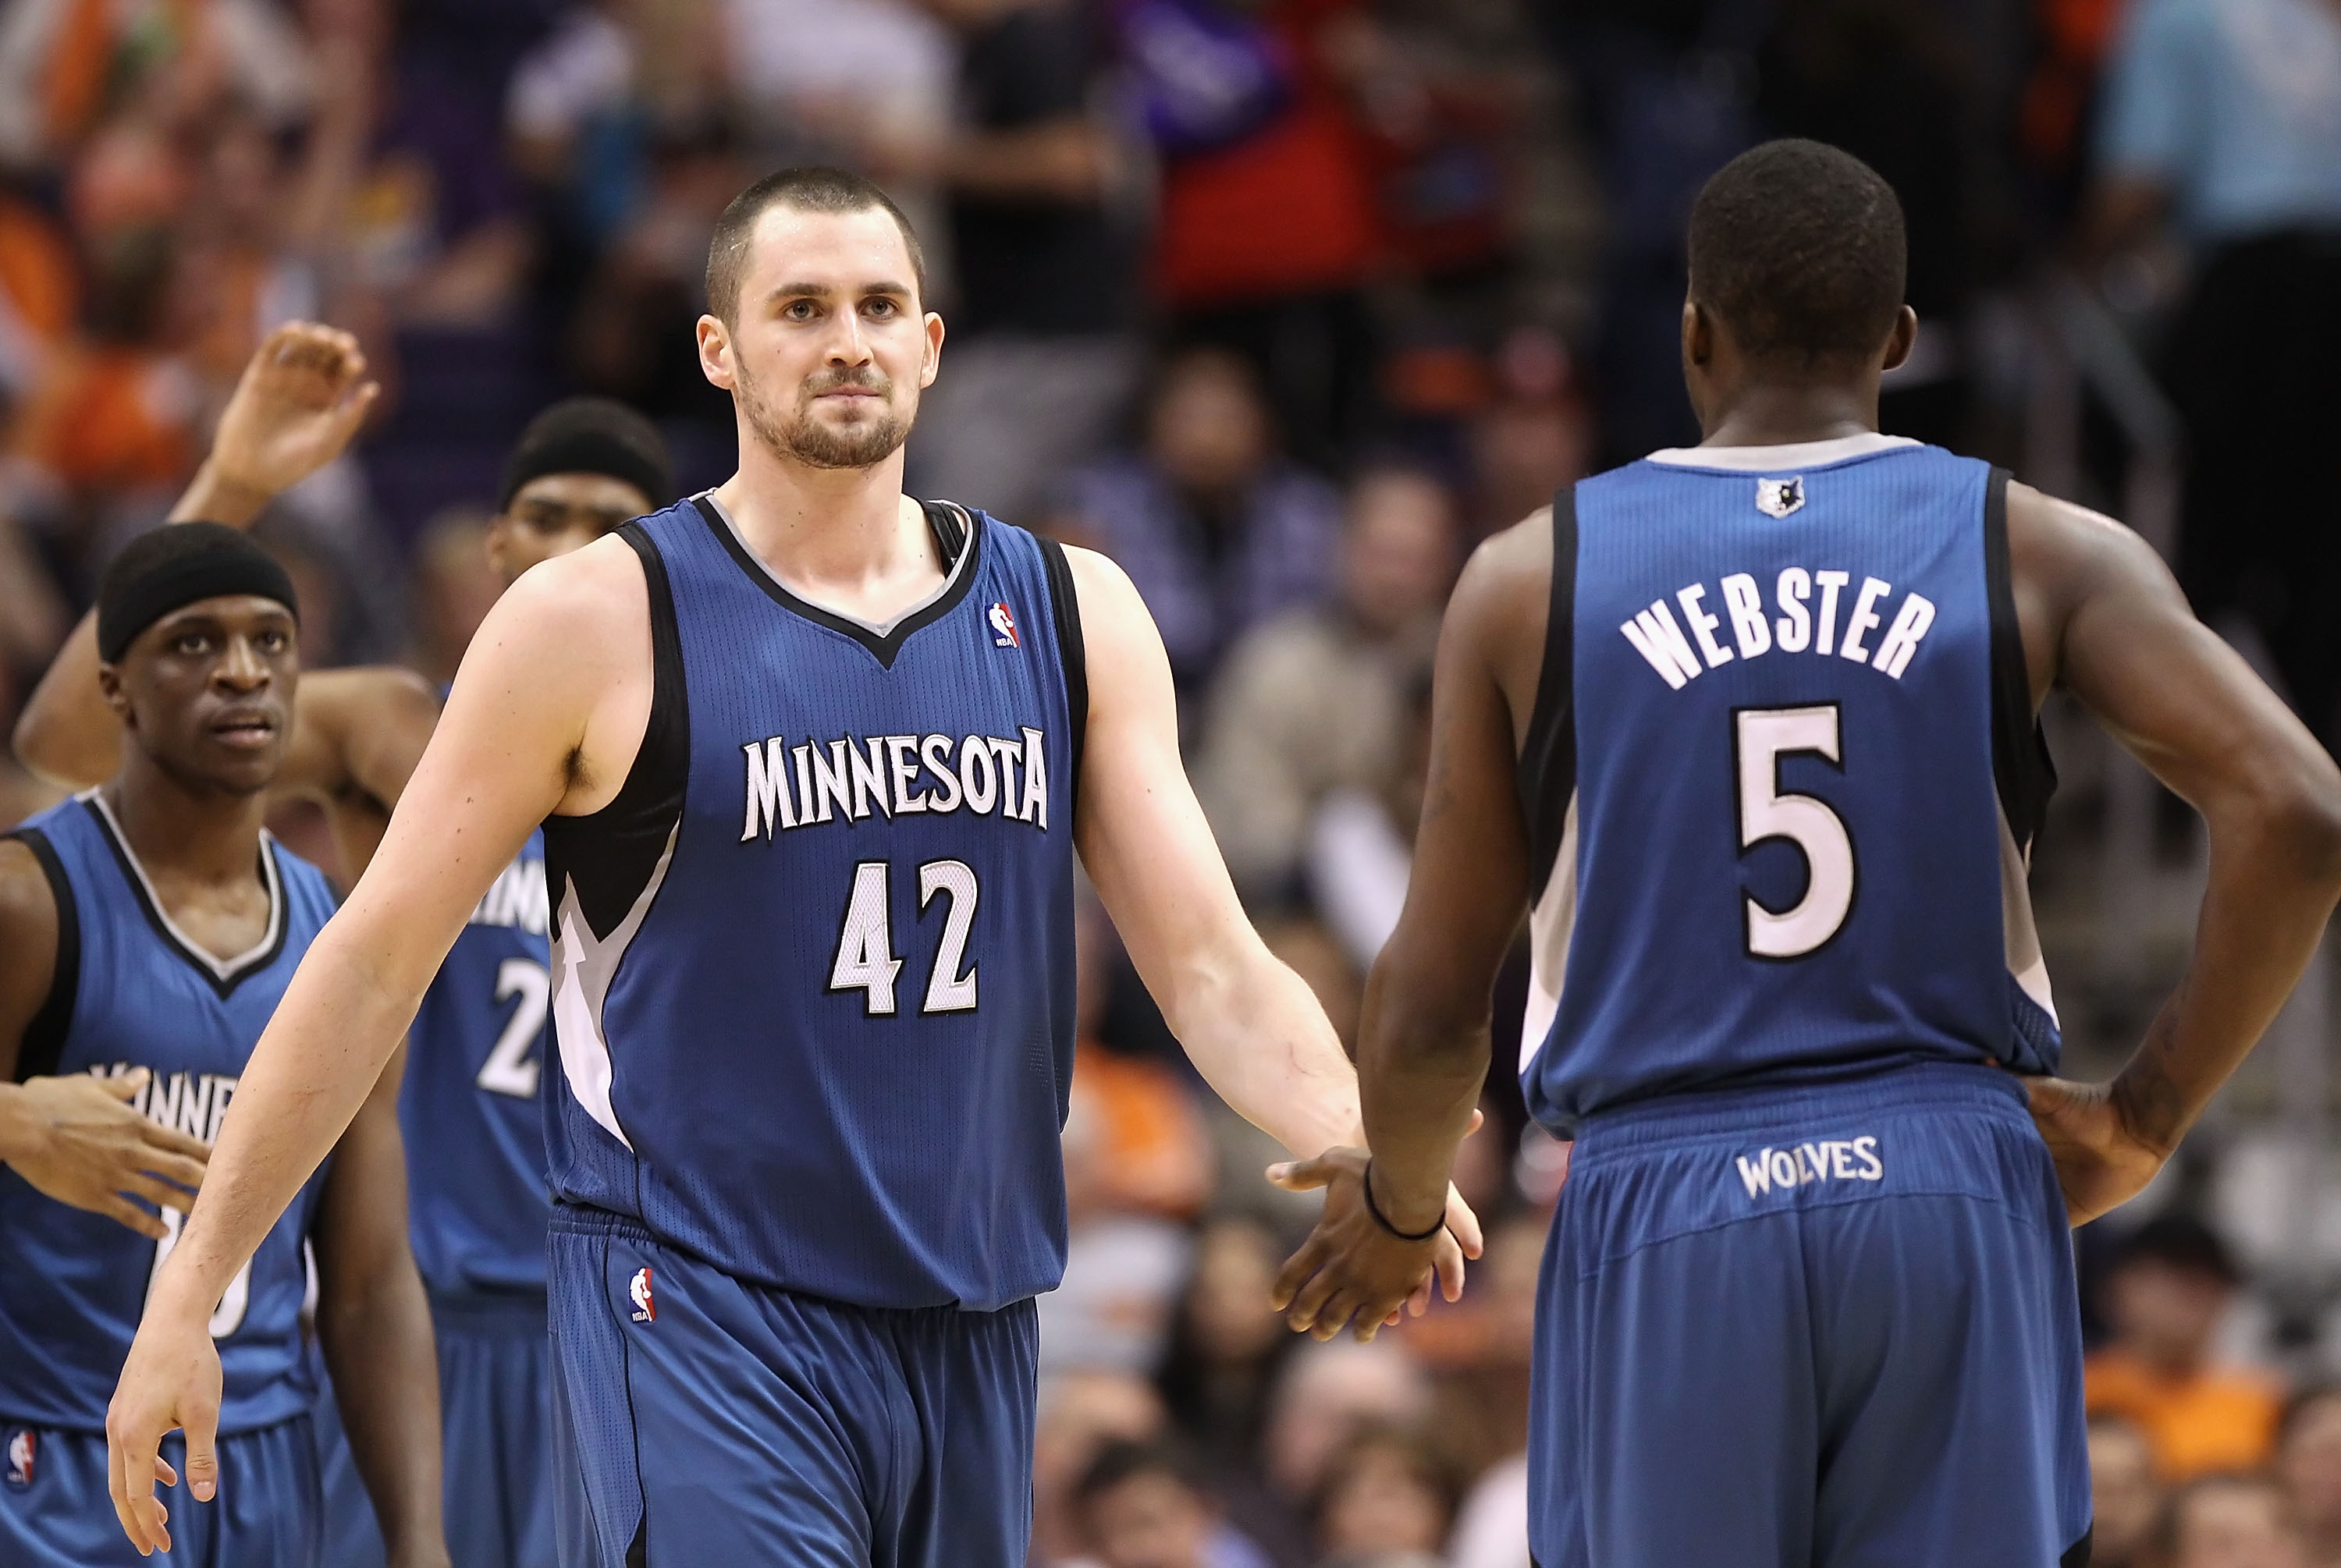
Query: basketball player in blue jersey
(813, 761)
(1748, 729)
(147, 929)
(469, 1105)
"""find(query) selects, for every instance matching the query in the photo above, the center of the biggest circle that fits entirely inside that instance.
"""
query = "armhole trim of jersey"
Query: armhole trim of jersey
(2022, 771)
(44, 1045)
(1547, 773)
(1072, 658)
(636, 823)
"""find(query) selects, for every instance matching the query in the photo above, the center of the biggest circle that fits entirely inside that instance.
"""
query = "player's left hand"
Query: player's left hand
(1351, 1267)
(170, 1382)
(2102, 1159)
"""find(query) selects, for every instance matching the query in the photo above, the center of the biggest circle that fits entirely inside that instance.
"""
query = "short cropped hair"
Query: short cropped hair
(807, 188)
(1800, 249)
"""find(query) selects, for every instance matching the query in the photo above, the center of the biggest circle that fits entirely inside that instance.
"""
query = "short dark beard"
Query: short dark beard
(814, 444)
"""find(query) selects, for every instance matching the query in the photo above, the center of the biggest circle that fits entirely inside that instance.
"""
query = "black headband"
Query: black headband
(174, 566)
(590, 435)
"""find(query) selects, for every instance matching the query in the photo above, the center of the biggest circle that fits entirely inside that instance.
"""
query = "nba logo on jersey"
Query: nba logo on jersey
(645, 1309)
(1003, 628)
(1779, 496)
(22, 1446)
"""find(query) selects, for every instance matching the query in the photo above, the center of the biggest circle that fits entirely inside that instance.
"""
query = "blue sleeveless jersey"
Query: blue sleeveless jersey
(814, 966)
(1781, 779)
(133, 992)
(470, 1107)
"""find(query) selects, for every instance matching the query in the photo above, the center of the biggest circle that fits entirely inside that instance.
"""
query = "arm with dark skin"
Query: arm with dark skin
(356, 733)
(2101, 616)
(1423, 1040)
(74, 1137)
(374, 1323)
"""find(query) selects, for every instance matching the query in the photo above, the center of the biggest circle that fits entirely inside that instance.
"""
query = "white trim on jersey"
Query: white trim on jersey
(222, 969)
(583, 965)
(2024, 957)
(1551, 922)
(1776, 458)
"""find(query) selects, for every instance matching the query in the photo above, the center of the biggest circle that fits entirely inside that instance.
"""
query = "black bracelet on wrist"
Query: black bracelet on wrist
(1383, 1219)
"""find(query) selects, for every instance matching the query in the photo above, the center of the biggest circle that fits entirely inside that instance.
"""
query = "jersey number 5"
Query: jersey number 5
(1760, 737)
(865, 944)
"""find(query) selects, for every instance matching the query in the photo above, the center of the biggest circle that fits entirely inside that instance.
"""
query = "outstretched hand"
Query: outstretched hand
(2102, 1160)
(1352, 1267)
(78, 1140)
(301, 398)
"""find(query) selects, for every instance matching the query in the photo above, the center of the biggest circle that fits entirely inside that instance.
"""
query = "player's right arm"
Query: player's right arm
(1424, 1035)
(74, 1137)
(546, 714)
(2103, 616)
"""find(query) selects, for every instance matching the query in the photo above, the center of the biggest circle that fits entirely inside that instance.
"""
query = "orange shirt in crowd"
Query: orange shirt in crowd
(2217, 1420)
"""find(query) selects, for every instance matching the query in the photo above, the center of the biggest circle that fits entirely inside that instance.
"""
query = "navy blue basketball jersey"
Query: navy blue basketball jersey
(1782, 778)
(133, 992)
(470, 1105)
(812, 966)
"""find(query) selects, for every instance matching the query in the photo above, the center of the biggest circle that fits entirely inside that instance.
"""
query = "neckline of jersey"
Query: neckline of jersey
(884, 640)
(223, 973)
(1774, 459)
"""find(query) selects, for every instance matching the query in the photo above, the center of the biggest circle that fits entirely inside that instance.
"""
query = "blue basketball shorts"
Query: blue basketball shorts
(496, 1409)
(57, 1512)
(1830, 1326)
(701, 1419)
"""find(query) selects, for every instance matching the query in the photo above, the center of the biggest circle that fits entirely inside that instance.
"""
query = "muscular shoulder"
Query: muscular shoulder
(340, 712)
(2060, 556)
(1502, 602)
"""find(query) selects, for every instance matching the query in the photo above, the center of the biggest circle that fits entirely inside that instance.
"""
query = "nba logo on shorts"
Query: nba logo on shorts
(1003, 628)
(22, 1446)
(1779, 496)
(645, 1309)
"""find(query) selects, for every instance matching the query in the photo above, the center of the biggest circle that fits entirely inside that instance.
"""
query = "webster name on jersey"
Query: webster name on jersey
(892, 776)
(1808, 603)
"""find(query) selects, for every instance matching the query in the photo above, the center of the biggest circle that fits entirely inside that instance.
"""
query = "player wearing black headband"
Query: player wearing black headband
(583, 467)
(147, 929)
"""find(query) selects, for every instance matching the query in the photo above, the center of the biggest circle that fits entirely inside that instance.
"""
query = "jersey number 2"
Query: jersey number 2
(865, 944)
(510, 1069)
(1760, 737)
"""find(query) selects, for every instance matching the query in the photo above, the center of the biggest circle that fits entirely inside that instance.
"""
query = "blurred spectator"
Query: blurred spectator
(2125, 1496)
(2226, 115)
(1145, 1505)
(1329, 1394)
(1361, 842)
(2308, 1458)
(1226, 1343)
(1216, 530)
(454, 588)
(1388, 1501)
(1268, 222)
(1317, 699)
(1041, 359)
(2165, 1295)
(1076, 1415)
(2233, 1521)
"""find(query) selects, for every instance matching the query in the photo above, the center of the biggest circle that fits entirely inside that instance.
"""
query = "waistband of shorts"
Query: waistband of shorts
(1753, 1109)
(485, 1312)
(584, 1219)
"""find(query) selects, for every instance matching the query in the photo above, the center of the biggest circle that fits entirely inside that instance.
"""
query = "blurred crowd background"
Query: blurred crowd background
(1284, 303)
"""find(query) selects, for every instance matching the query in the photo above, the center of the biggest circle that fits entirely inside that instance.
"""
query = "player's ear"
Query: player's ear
(1697, 334)
(931, 361)
(110, 687)
(715, 352)
(1901, 339)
